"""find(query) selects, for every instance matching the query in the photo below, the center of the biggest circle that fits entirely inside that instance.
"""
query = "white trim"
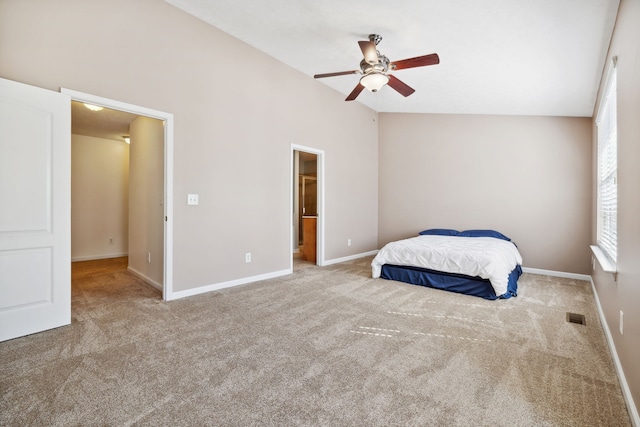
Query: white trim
(610, 67)
(115, 105)
(167, 118)
(350, 257)
(229, 284)
(626, 392)
(607, 167)
(167, 289)
(321, 184)
(603, 259)
(147, 280)
(605, 263)
(575, 276)
(94, 257)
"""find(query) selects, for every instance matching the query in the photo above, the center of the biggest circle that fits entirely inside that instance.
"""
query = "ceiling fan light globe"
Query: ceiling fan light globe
(374, 81)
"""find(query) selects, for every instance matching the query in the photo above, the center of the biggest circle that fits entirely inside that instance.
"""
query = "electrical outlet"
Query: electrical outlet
(111, 240)
(247, 257)
(192, 199)
(621, 322)
(348, 242)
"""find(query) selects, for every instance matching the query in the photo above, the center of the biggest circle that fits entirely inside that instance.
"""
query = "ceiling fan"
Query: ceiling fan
(375, 67)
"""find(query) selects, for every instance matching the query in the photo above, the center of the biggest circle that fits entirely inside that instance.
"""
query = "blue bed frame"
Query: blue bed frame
(451, 282)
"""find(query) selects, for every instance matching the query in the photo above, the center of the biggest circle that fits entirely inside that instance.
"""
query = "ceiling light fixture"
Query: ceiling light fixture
(93, 107)
(127, 139)
(374, 81)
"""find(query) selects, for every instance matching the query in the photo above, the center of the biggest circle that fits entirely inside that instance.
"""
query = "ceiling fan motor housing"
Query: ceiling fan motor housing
(382, 66)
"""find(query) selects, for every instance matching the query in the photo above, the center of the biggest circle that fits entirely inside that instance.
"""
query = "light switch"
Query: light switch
(192, 199)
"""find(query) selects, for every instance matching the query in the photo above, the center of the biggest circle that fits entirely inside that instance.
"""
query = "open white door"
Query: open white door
(35, 209)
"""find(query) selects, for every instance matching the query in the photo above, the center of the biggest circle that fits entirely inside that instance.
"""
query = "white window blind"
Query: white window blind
(608, 170)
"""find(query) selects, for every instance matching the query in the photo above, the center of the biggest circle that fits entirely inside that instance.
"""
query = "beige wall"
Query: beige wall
(99, 197)
(146, 199)
(527, 177)
(624, 294)
(237, 111)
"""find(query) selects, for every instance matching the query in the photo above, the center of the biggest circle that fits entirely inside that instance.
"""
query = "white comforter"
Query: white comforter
(485, 257)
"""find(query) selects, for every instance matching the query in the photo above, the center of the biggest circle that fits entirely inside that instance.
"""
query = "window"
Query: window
(608, 169)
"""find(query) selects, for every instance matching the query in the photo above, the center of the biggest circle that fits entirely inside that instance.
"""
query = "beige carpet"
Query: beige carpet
(322, 347)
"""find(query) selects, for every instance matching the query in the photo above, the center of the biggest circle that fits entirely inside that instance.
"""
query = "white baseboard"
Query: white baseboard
(147, 280)
(576, 276)
(223, 285)
(585, 277)
(246, 280)
(626, 392)
(349, 258)
(94, 257)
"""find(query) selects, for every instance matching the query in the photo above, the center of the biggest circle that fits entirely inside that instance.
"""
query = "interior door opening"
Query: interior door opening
(117, 192)
(307, 219)
(144, 221)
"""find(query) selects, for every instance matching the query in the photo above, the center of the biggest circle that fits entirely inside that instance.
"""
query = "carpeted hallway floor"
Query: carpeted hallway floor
(321, 347)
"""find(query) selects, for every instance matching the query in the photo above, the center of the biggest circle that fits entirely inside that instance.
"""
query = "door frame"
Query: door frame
(320, 261)
(167, 118)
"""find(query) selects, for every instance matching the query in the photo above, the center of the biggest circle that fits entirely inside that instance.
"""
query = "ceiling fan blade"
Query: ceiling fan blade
(339, 73)
(400, 86)
(355, 92)
(369, 51)
(418, 61)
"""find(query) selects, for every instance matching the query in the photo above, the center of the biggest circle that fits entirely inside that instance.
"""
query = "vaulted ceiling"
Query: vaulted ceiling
(537, 57)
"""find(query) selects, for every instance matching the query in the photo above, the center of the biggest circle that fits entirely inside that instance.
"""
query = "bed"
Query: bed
(483, 263)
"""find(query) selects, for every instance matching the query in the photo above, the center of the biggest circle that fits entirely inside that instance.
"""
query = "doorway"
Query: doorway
(307, 203)
(154, 266)
(100, 166)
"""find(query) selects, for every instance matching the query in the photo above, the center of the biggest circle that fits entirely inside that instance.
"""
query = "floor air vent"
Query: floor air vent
(576, 318)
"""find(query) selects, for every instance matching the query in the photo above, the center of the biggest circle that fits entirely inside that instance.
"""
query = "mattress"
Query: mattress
(487, 258)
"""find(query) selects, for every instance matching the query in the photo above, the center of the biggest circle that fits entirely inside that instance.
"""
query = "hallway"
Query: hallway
(103, 286)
